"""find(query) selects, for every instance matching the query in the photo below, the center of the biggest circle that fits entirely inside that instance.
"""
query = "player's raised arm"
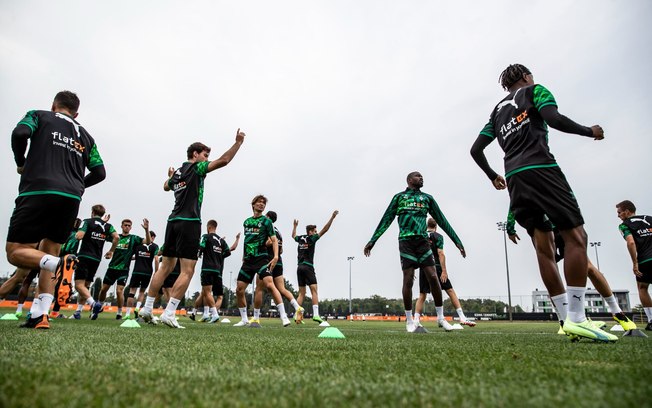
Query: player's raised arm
(327, 226)
(556, 120)
(229, 154)
(235, 243)
(295, 223)
(166, 185)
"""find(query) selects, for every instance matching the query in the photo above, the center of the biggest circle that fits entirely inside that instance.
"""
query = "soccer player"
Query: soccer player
(93, 233)
(118, 269)
(537, 187)
(144, 256)
(437, 245)
(183, 229)
(53, 180)
(637, 232)
(560, 302)
(277, 276)
(256, 262)
(213, 249)
(62, 288)
(305, 263)
(412, 207)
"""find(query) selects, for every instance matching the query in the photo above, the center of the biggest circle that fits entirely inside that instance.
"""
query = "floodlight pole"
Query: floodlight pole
(350, 259)
(596, 245)
(502, 226)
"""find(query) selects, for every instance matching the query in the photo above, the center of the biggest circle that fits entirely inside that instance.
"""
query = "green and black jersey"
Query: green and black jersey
(412, 208)
(187, 182)
(127, 244)
(143, 257)
(640, 228)
(96, 233)
(521, 131)
(306, 249)
(71, 244)
(60, 151)
(436, 243)
(214, 249)
(256, 232)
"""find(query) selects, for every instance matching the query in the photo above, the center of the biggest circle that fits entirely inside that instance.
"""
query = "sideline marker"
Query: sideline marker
(9, 316)
(130, 324)
(331, 333)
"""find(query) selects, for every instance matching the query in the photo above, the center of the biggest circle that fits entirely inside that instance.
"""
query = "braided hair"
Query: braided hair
(511, 75)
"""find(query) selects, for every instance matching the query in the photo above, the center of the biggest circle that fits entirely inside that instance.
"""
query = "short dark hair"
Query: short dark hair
(411, 174)
(627, 206)
(310, 228)
(152, 234)
(77, 223)
(98, 209)
(512, 74)
(259, 197)
(211, 223)
(67, 100)
(126, 220)
(432, 223)
(272, 216)
(197, 147)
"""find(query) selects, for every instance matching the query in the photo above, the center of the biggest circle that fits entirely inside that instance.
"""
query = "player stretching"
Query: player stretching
(637, 231)
(437, 245)
(537, 187)
(184, 225)
(53, 180)
(412, 207)
(305, 263)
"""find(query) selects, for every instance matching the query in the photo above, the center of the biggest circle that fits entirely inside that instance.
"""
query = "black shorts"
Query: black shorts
(306, 275)
(424, 285)
(33, 220)
(139, 280)
(86, 269)
(646, 270)
(537, 193)
(415, 253)
(170, 280)
(218, 289)
(210, 278)
(251, 267)
(278, 269)
(182, 239)
(115, 275)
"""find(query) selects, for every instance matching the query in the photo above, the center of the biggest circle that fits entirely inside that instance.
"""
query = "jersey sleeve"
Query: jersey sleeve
(440, 242)
(269, 228)
(30, 120)
(386, 220)
(226, 251)
(542, 97)
(202, 168)
(202, 242)
(624, 230)
(433, 209)
(510, 227)
(138, 240)
(314, 238)
(94, 158)
(84, 226)
(488, 130)
(112, 230)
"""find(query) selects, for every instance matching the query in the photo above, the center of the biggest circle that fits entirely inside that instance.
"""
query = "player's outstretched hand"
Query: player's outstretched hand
(19, 170)
(295, 223)
(170, 172)
(106, 217)
(598, 133)
(499, 182)
(109, 255)
(367, 249)
(239, 136)
(462, 250)
(514, 238)
(145, 224)
(335, 214)
(638, 273)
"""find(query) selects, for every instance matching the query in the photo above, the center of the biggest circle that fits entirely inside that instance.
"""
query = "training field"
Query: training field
(88, 364)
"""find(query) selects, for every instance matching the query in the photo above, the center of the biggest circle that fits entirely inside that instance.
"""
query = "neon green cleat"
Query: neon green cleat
(598, 324)
(587, 330)
(624, 321)
(19, 314)
(561, 330)
(254, 321)
(317, 319)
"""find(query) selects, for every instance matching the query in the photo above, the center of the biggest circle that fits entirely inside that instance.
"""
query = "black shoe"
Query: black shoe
(191, 316)
(649, 326)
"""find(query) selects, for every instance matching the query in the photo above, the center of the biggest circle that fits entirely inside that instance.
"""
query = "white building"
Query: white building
(593, 302)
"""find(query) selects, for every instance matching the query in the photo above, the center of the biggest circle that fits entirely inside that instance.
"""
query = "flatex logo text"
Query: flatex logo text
(58, 139)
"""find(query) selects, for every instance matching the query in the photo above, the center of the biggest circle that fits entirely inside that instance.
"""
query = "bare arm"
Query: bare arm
(145, 225)
(631, 248)
(235, 244)
(442, 262)
(114, 244)
(328, 224)
(229, 154)
(295, 223)
(80, 235)
(272, 263)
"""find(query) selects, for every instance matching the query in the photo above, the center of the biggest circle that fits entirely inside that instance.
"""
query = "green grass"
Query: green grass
(88, 364)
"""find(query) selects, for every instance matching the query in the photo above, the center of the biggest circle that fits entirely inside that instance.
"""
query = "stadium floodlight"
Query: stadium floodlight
(596, 245)
(502, 226)
(350, 259)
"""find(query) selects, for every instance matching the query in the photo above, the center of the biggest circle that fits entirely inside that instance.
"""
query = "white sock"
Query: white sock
(648, 313)
(171, 308)
(49, 263)
(460, 313)
(149, 303)
(206, 309)
(36, 306)
(294, 304)
(408, 316)
(138, 305)
(80, 307)
(576, 312)
(315, 310)
(214, 311)
(90, 301)
(281, 311)
(128, 312)
(243, 314)
(119, 311)
(560, 303)
(256, 313)
(440, 313)
(612, 304)
(19, 308)
(45, 301)
(417, 316)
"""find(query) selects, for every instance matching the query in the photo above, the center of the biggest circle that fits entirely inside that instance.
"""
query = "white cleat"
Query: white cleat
(410, 327)
(146, 315)
(286, 321)
(445, 325)
(241, 323)
(214, 319)
(171, 321)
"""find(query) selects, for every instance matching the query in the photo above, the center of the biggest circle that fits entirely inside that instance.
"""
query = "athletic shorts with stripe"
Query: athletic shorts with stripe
(415, 253)
(251, 267)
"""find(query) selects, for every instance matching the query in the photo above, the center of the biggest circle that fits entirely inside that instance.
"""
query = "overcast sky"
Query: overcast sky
(339, 101)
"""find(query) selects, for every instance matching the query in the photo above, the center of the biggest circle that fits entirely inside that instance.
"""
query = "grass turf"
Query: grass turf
(96, 363)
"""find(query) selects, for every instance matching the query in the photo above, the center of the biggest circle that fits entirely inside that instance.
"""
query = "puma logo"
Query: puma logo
(508, 102)
(577, 297)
